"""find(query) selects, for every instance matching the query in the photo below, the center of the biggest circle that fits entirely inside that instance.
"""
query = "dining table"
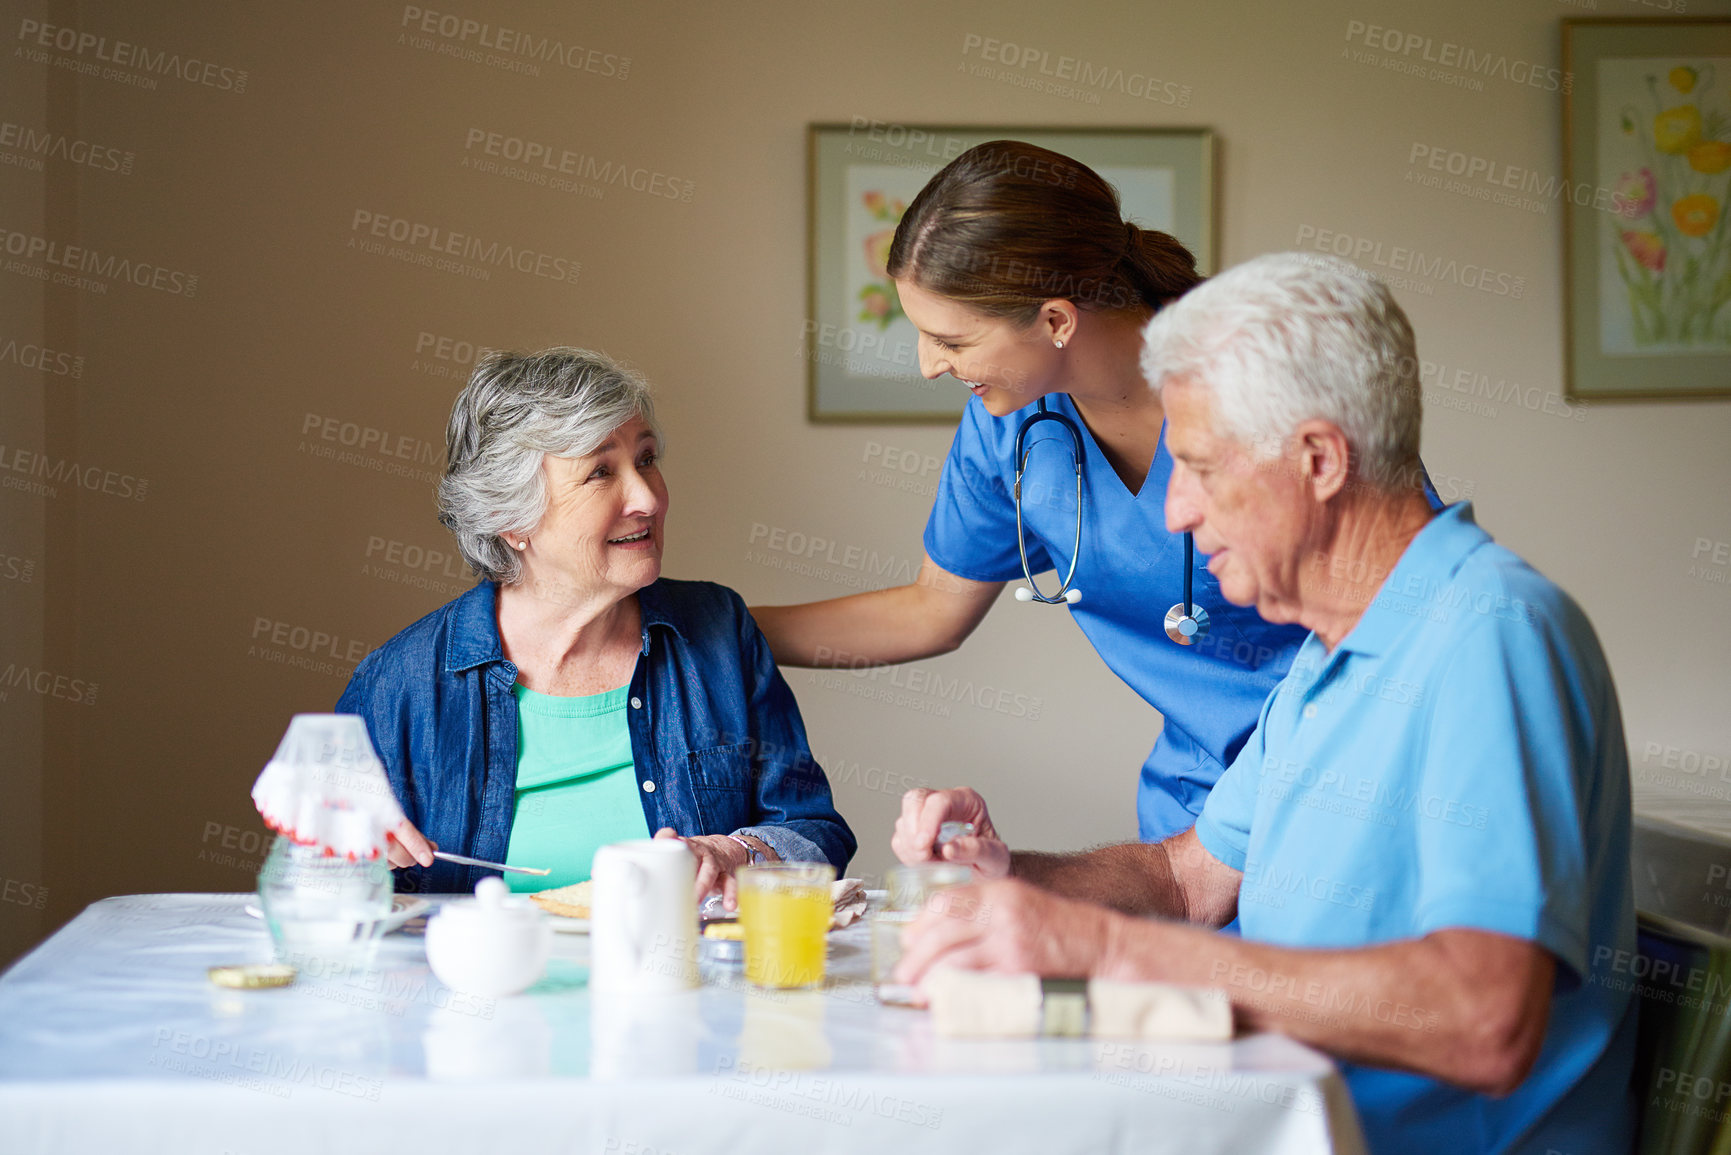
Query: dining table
(114, 1038)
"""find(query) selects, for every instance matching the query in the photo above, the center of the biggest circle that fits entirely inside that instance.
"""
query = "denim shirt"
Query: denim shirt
(715, 732)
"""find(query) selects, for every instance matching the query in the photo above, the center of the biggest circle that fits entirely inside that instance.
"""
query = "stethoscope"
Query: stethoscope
(1185, 622)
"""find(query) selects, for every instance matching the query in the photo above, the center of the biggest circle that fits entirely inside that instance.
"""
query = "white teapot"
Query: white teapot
(491, 945)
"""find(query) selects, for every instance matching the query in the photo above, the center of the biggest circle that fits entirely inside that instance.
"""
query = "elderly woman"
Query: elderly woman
(575, 697)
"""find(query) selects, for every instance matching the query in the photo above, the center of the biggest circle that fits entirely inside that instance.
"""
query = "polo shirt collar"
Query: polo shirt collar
(1429, 562)
(475, 639)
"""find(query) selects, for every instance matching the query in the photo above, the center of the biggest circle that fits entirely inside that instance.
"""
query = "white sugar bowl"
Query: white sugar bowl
(491, 945)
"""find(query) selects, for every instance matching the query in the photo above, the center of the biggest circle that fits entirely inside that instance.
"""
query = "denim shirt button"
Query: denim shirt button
(649, 786)
(636, 703)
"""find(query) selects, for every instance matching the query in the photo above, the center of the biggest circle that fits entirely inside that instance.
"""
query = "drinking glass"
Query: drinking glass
(323, 908)
(785, 909)
(909, 889)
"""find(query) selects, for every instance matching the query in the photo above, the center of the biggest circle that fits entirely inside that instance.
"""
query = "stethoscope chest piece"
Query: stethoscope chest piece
(1186, 624)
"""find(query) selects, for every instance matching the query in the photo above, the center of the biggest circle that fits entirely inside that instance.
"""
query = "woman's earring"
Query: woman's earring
(523, 544)
(1059, 343)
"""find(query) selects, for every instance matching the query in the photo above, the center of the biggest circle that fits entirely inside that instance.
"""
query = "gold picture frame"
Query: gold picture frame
(1646, 242)
(861, 355)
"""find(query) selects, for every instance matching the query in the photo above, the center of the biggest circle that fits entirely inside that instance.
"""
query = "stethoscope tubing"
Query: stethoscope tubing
(1185, 622)
(1022, 453)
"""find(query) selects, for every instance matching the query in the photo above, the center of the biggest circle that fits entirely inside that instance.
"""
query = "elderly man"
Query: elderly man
(1426, 839)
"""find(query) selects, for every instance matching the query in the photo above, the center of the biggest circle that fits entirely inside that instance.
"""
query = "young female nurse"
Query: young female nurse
(1028, 287)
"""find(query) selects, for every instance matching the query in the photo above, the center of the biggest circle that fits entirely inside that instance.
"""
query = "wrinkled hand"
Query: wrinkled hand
(923, 811)
(1008, 926)
(718, 856)
(406, 846)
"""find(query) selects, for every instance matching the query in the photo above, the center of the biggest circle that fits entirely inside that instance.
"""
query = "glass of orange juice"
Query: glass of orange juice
(785, 909)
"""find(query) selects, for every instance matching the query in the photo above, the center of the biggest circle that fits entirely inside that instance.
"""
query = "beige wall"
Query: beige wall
(157, 598)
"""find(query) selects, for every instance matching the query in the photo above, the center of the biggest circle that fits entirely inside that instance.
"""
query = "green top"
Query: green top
(576, 785)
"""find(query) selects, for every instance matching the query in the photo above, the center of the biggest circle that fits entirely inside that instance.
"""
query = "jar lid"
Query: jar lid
(254, 976)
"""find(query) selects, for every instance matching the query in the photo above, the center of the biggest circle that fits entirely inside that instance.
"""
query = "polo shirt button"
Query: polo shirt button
(1310, 710)
(649, 786)
(637, 703)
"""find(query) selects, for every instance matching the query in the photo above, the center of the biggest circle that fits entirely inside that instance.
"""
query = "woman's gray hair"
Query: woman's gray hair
(1287, 337)
(516, 410)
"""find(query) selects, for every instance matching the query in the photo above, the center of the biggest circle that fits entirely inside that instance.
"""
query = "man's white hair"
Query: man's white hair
(1288, 337)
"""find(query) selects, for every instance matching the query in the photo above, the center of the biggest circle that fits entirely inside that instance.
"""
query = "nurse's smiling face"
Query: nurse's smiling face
(1255, 519)
(1006, 366)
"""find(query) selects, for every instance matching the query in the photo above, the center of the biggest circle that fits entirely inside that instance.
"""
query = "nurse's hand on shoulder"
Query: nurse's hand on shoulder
(924, 811)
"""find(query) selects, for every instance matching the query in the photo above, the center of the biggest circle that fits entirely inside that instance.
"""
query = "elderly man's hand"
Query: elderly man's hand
(1007, 926)
(924, 811)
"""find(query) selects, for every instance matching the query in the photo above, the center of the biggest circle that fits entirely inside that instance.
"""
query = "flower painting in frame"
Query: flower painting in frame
(1648, 247)
(861, 351)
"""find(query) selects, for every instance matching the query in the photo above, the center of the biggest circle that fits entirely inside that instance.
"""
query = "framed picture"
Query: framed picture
(861, 352)
(1647, 247)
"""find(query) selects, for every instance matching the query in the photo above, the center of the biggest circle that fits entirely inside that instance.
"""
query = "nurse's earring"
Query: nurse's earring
(1058, 344)
(522, 545)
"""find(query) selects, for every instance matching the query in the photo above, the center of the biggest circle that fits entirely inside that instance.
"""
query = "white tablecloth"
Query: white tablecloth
(112, 1039)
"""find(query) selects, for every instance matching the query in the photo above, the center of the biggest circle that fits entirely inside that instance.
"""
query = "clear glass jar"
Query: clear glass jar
(910, 890)
(323, 909)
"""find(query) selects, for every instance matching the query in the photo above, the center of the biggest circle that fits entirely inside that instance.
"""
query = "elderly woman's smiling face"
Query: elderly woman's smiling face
(602, 529)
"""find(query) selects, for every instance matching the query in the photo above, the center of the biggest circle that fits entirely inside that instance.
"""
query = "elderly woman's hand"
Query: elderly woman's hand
(406, 846)
(718, 857)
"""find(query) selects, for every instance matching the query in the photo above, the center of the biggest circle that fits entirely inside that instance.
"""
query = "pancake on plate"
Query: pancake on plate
(569, 901)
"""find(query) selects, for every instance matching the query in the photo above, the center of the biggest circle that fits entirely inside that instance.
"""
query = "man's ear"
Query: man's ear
(1323, 457)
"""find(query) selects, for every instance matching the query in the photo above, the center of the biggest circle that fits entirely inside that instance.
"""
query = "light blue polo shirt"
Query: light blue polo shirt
(1457, 762)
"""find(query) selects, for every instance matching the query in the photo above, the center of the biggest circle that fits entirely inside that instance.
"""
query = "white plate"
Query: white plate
(568, 925)
(403, 908)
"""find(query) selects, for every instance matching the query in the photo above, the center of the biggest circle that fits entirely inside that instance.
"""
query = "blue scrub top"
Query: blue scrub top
(1457, 761)
(1131, 570)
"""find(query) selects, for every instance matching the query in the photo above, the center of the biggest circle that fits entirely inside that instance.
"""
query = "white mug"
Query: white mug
(643, 918)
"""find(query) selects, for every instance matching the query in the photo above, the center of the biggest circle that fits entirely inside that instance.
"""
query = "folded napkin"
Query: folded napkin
(1120, 1010)
(979, 1004)
(326, 787)
(850, 901)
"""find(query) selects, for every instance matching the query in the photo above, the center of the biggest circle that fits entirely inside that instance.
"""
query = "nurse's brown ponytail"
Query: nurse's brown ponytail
(1008, 225)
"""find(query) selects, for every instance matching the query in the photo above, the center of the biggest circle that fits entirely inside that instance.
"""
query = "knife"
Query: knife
(466, 861)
